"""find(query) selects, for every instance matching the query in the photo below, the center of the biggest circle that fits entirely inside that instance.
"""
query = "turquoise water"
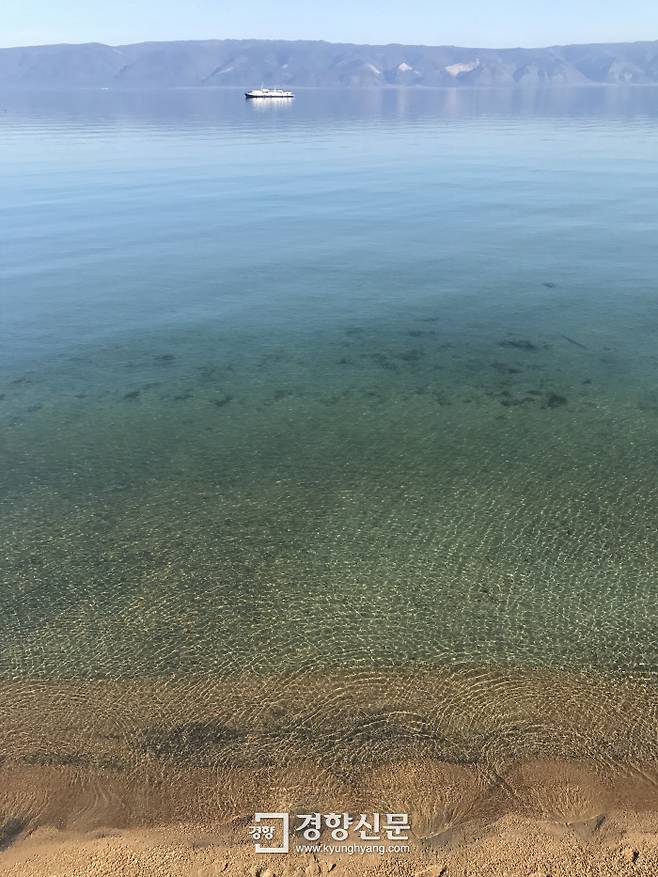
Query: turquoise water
(367, 380)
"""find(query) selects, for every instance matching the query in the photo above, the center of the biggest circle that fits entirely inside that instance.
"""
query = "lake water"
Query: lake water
(353, 390)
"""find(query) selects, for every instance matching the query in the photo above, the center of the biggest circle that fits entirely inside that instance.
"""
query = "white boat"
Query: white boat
(268, 93)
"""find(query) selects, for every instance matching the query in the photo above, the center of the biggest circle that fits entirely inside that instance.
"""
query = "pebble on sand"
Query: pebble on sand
(630, 854)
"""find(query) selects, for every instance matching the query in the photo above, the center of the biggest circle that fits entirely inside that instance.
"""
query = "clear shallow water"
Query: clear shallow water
(365, 381)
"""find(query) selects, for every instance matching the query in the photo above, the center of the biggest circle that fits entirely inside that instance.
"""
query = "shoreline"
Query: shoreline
(452, 747)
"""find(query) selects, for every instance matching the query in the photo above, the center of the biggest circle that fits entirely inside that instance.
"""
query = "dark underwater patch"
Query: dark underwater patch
(555, 400)
(519, 344)
(10, 832)
(188, 741)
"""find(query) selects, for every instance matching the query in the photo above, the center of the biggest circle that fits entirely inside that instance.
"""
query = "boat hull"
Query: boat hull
(254, 95)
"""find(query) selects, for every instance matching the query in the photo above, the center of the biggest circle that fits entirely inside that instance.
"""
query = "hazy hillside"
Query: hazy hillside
(250, 62)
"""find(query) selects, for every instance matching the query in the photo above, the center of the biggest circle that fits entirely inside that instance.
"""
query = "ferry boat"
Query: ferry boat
(268, 93)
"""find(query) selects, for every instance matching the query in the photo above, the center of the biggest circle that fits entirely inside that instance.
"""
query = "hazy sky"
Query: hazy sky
(483, 23)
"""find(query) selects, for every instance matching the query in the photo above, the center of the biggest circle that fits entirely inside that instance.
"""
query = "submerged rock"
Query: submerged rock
(630, 854)
(504, 369)
(411, 355)
(518, 344)
(555, 400)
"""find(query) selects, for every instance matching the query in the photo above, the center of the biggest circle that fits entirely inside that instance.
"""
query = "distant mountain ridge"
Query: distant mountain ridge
(319, 64)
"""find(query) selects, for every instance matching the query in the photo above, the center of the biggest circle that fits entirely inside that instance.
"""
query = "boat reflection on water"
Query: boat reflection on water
(270, 104)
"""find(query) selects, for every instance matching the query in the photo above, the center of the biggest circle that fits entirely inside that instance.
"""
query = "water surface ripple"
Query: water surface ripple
(328, 438)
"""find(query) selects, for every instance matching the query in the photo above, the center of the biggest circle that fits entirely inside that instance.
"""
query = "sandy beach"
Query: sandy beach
(619, 845)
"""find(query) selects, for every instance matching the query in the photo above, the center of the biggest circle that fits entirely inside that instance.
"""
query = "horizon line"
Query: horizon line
(330, 43)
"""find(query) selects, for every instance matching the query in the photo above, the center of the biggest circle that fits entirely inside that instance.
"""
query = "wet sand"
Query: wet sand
(502, 768)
